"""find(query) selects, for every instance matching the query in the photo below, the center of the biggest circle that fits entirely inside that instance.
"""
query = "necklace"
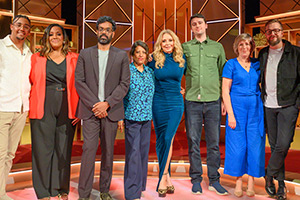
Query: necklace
(245, 64)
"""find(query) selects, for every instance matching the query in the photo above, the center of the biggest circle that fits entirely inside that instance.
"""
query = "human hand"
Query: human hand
(101, 115)
(150, 58)
(100, 109)
(182, 91)
(231, 121)
(223, 109)
(121, 125)
(75, 121)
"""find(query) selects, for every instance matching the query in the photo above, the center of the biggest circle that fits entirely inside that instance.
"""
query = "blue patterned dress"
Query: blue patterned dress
(167, 106)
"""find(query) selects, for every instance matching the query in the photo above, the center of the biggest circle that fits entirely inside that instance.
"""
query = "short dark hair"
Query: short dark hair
(21, 16)
(197, 15)
(273, 21)
(139, 43)
(103, 19)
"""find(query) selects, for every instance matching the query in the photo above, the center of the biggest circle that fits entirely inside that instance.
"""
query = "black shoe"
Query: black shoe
(270, 186)
(281, 192)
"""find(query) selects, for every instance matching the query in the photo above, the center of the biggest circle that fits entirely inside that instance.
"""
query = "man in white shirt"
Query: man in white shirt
(14, 93)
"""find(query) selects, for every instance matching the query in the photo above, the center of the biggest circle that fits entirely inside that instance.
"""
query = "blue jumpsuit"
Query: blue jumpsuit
(245, 145)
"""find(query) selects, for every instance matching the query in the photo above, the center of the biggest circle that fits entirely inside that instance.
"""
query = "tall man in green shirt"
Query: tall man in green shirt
(205, 61)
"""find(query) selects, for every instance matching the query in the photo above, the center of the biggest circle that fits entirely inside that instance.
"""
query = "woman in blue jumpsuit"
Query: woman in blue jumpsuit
(168, 64)
(245, 136)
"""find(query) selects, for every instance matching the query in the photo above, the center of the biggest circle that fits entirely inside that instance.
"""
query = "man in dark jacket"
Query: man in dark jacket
(280, 70)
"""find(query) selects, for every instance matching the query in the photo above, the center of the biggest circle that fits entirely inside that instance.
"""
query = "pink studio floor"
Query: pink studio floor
(182, 192)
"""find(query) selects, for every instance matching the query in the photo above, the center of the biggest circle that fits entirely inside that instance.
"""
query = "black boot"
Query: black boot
(270, 186)
(281, 192)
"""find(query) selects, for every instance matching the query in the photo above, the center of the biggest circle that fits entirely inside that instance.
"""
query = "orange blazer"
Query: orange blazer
(38, 85)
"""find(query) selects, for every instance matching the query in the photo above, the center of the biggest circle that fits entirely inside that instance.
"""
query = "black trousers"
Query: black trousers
(52, 139)
(280, 124)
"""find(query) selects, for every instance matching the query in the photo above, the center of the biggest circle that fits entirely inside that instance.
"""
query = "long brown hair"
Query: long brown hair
(46, 47)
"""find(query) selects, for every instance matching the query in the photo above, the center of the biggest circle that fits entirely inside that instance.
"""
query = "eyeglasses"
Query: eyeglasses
(275, 31)
(107, 30)
(25, 26)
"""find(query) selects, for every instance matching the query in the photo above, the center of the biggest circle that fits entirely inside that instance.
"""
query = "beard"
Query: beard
(104, 40)
(274, 42)
(20, 38)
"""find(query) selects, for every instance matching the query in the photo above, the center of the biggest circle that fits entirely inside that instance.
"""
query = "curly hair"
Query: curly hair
(160, 57)
(46, 47)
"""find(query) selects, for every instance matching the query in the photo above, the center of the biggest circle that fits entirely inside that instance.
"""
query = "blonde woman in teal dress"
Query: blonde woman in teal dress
(168, 64)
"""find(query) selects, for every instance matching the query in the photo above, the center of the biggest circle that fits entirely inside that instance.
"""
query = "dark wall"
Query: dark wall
(68, 11)
(5, 21)
(252, 9)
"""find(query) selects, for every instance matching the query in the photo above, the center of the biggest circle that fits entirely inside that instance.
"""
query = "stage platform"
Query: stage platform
(20, 185)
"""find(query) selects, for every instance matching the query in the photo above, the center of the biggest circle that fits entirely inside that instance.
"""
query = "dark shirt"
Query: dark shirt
(56, 73)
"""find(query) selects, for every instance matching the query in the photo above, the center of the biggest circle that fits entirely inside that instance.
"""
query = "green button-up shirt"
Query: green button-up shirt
(205, 62)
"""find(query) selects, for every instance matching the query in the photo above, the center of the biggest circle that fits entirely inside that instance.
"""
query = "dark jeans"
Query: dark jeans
(280, 124)
(195, 114)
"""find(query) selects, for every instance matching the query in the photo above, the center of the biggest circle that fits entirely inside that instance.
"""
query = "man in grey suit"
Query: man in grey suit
(102, 78)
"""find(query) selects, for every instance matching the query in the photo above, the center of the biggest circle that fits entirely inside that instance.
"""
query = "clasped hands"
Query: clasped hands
(100, 109)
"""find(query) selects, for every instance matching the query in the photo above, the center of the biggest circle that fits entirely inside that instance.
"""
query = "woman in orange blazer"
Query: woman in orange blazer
(53, 103)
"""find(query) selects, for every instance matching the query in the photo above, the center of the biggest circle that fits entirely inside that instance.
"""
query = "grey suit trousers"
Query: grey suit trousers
(93, 128)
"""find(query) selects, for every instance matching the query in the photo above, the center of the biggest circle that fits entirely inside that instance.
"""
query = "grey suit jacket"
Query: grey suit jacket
(117, 80)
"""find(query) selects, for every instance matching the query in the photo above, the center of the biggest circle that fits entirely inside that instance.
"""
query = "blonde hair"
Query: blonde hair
(160, 57)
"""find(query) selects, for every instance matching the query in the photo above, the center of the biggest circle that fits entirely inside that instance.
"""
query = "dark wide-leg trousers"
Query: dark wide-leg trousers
(280, 123)
(52, 139)
(93, 128)
(137, 143)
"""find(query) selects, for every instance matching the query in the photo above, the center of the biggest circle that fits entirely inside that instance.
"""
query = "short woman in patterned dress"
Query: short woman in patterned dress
(138, 115)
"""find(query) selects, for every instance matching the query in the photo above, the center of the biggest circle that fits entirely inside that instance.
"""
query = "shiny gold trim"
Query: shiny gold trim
(228, 30)
(276, 16)
(122, 35)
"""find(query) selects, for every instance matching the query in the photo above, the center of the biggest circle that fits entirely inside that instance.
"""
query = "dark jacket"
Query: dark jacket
(288, 74)
(117, 80)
